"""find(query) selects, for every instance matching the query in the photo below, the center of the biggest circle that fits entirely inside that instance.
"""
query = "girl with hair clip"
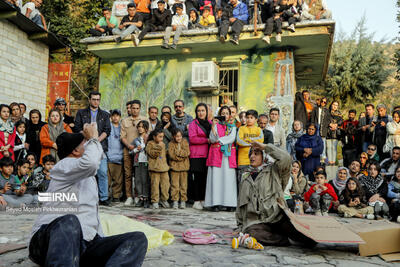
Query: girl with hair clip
(353, 202)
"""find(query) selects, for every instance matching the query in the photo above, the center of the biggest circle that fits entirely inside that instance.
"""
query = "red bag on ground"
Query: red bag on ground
(199, 237)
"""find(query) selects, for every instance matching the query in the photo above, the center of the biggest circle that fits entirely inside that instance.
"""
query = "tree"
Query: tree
(397, 54)
(358, 67)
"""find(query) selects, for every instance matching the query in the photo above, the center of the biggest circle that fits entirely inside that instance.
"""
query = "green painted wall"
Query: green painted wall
(262, 79)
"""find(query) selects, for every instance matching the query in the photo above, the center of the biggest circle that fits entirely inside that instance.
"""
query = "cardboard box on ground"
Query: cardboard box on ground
(373, 237)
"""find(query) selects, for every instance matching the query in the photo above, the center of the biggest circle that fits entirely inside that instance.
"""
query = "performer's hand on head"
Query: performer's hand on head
(90, 131)
(258, 146)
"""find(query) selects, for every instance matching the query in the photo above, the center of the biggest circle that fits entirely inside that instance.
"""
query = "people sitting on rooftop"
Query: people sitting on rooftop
(131, 23)
(17, 4)
(207, 3)
(143, 8)
(172, 5)
(235, 15)
(207, 19)
(120, 8)
(105, 25)
(31, 11)
(160, 20)
(315, 10)
(193, 19)
(179, 23)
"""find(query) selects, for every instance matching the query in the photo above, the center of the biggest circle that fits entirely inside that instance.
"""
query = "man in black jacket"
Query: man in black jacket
(320, 117)
(160, 20)
(102, 119)
(268, 135)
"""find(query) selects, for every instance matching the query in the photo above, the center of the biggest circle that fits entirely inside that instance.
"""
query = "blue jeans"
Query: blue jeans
(61, 243)
(103, 179)
(125, 32)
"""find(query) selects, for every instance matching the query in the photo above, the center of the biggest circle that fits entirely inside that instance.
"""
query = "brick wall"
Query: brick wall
(23, 68)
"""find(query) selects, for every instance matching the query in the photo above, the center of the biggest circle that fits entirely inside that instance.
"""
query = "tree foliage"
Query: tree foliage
(358, 67)
(397, 54)
(71, 20)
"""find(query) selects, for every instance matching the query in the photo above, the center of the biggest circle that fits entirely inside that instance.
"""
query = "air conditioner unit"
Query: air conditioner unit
(205, 74)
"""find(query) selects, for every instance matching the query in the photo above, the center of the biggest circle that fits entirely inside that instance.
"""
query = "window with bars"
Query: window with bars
(228, 82)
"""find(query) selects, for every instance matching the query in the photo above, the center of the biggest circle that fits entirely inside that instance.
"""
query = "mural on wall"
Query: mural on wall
(266, 80)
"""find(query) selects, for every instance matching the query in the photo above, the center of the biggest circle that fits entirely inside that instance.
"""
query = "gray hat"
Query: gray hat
(60, 101)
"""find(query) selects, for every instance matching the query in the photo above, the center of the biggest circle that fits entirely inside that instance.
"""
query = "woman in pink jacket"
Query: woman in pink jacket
(199, 131)
(221, 190)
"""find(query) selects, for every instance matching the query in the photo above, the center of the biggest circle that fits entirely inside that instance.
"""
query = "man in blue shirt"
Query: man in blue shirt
(235, 15)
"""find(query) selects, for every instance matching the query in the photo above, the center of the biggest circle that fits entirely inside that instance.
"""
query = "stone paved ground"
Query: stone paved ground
(16, 229)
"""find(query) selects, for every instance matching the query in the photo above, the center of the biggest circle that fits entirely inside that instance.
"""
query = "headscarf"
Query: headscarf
(291, 139)
(204, 123)
(6, 126)
(256, 170)
(372, 184)
(54, 132)
(339, 184)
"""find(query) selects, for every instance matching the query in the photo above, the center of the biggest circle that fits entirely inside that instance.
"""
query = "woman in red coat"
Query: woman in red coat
(7, 133)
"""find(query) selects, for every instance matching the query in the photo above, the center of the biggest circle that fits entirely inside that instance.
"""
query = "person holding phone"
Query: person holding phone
(221, 189)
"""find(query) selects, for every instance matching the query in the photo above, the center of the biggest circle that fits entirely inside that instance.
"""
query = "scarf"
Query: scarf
(206, 125)
(55, 131)
(340, 184)
(7, 127)
(226, 149)
(372, 184)
(396, 185)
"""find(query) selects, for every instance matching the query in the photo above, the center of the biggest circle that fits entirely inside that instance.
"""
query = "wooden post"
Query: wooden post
(255, 17)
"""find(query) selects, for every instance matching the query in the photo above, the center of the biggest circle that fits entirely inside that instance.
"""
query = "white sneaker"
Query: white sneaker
(318, 213)
(165, 204)
(135, 39)
(291, 28)
(278, 38)
(325, 213)
(372, 217)
(137, 200)
(197, 205)
(175, 205)
(266, 39)
(202, 203)
(155, 206)
(183, 205)
(129, 201)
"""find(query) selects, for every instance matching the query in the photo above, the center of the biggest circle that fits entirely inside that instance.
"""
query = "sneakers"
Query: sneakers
(165, 46)
(183, 205)
(173, 46)
(318, 213)
(197, 205)
(398, 219)
(234, 40)
(278, 38)
(140, 203)
(104, 202)
(136, 200)
(164, 204)
(135, 39)
(129, 201)
(118, 39)
(175, 205)
(266, 39)
(325, 214)
(222, 39)
(291, 28)
(154, 206)
(372, 216)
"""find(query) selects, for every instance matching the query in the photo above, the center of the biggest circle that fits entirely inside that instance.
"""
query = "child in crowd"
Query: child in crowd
(10, 187)
(40, 181)
(242, 118)
(218, 16)
(376, 190)
(207, 19)
(296, 185)
(321, 195)
(20, 141)
(394, 195)
(353, 202)
(179, 23)
(158, 168)
(167, 127)
(22, 170)
(246, 135)
(290, 13)
(33, 165)
(141, 165)
(115, 156)
(179, 152)
(193, 19)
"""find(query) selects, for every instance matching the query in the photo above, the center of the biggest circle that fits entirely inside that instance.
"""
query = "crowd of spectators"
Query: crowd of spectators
(31, 10)
(138, 17)
(176, 159)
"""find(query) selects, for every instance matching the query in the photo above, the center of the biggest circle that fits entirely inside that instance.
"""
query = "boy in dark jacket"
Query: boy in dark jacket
(160, 20)
(235, 15)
